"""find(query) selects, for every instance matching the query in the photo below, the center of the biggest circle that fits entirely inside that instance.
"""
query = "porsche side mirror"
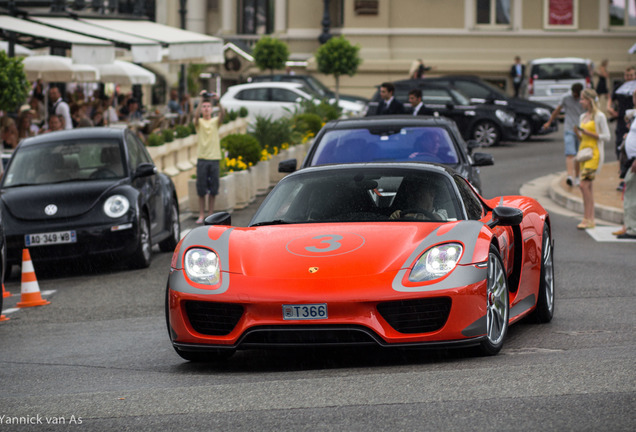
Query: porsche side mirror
(483, 159)
(287, 166)
(506, 216)
(220, 218)
(145, 169)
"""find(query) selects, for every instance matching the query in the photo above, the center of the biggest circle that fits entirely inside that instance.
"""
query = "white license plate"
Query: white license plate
(314, 311)
(45, 239)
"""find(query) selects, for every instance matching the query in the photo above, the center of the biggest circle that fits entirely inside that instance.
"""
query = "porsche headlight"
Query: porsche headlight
(505, 117)
(202, 266)
(436, 262)
(116, 206)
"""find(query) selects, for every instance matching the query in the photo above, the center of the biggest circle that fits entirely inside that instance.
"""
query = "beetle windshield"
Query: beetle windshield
(65, 161)
(415, 144)
(361, 195)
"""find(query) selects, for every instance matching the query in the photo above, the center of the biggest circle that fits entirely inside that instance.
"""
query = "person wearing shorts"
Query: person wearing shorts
(208, 152)
(573, 110)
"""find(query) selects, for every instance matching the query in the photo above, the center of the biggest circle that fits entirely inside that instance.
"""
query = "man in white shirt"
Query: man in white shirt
(415, 99)
(60, 107)
(629, 197)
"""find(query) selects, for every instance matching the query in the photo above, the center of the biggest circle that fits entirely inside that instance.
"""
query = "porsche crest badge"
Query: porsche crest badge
(313, 269)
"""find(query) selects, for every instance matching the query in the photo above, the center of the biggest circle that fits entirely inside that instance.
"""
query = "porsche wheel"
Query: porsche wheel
(169, 244)
(545, 302)
(141, 256)
(524, 129)
(497, 306)
(486, 134)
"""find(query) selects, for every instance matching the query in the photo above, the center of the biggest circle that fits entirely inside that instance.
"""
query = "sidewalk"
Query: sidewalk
(608, 201)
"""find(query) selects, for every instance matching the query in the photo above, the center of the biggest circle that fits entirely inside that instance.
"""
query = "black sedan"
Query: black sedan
(486, 124)
(83, 193)
(530, 115)
(396, 138)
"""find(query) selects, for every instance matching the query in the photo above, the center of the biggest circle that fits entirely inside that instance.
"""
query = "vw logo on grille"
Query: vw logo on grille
(50, 209)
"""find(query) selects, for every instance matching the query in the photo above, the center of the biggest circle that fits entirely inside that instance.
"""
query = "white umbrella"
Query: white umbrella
(19, 50)
(627, 88)
(56, 68)
(126, 73)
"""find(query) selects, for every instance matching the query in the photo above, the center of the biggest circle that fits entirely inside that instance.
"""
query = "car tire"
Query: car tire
(486, 133)
(170, 243)
(524, 129)
(497, 305)
(545, 302)
(142, 256)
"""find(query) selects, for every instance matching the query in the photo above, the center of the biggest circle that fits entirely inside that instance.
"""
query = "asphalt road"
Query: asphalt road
(98, 357)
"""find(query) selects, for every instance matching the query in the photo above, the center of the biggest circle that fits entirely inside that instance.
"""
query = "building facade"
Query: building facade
(479, 37)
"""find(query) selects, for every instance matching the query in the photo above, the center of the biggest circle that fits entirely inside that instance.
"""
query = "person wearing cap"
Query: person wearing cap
(26, 128)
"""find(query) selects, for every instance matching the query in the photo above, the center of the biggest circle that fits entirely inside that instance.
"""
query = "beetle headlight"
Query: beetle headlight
(436, 262)
(542, 112)
(116, 206)
(505, 117)
(202, 266)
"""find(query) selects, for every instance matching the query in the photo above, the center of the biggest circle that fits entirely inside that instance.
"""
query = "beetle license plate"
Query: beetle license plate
(314, 311)
(45, 239)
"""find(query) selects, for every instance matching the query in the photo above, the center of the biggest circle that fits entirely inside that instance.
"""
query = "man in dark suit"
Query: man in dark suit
(415, 99)
(517, 73)
(389, 105)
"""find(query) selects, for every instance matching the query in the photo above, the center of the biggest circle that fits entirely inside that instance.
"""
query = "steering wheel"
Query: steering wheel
(429, 215)
(102, 172)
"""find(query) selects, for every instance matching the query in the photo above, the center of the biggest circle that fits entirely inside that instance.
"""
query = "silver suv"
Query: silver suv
(551, 78)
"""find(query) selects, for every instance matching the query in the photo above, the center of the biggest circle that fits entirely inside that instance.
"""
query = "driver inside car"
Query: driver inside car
(418, 201)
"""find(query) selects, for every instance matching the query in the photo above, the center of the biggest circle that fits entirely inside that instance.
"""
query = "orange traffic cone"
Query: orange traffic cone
(30, 288)
(4, 294)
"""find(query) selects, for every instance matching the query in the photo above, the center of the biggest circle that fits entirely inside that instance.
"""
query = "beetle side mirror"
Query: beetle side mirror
(220, 218)
(145, 170)
(287, 166)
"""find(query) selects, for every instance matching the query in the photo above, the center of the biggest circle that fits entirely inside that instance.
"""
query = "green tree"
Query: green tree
(14, 87)
(270, 53)
(338, 57)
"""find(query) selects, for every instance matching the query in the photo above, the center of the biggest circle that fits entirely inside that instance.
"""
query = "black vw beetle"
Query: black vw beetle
(86, 193)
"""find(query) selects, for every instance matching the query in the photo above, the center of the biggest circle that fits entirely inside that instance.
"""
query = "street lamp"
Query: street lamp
(326, 23)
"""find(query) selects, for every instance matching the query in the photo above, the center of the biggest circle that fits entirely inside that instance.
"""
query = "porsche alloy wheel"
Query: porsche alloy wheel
(171, 242)
(524, 129)
(545, 303)
(141, 257)
(486, 134)
(497, 305)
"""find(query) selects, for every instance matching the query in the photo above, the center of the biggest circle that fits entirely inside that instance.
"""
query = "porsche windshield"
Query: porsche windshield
(65, 161)
(415, 144)
(361, 195)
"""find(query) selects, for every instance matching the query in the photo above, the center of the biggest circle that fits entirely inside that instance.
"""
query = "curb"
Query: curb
(574, 203)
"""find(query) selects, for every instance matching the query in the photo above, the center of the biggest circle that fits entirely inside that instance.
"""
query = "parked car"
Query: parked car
(377, 254)
(397, 138)
(530, 116)
(311, 82)
(85, 193)
(276, 99)
(486, 124)
(550, 78)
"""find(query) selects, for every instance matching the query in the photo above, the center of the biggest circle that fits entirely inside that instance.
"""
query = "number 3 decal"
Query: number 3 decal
(332, 242)
(325, 245)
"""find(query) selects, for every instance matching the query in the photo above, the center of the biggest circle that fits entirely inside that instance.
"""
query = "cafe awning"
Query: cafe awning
(143, 50)
(84, 49)
(183, 46)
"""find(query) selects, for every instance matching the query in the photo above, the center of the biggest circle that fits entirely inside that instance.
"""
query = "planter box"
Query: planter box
(262, 177)
(242, 185)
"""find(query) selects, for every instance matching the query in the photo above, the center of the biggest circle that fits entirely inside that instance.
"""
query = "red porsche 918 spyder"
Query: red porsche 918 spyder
(388, 254)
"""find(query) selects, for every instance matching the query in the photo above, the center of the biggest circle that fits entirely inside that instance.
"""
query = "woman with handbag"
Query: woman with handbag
(593, 132)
